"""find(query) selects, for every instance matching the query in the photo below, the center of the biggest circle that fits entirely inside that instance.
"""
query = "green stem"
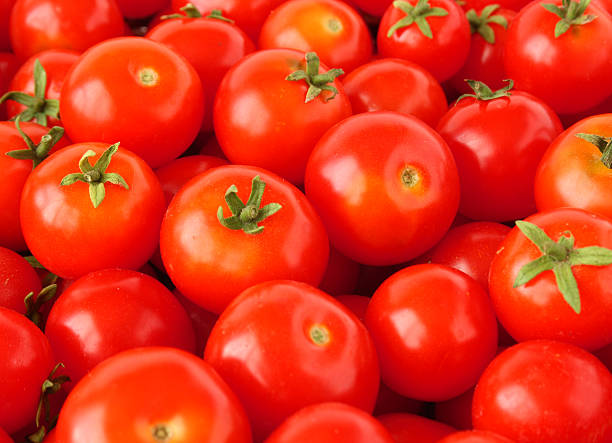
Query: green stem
(571, 13)
(604, 144)
(317, 83)
(483, 92)
(36, 152)
(416, 14)
(481, 23)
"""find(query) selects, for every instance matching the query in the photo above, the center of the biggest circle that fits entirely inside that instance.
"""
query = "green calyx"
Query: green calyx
(604, 144)
(189, 11)
(246, 217)
(480, 23)
(571, 14)
(96, 175)
(317, 83)
(38, 107)
(416, 14)
(36, 152)
(560, 257)
(483, 92)
(34, 304)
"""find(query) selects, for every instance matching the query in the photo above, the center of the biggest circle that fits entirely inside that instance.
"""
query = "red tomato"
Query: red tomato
(141, 8)
(498, 140)
(8, 66)
(385, 185)
(331, 28)
(5, 14)
(153, 394)
(389, 401)
(146, 86)
(475, 437)
(605, 355)
(330, 423)
(358, 304)
(431, 354)
(50, 437)
(283, 345)
(226, 44)
(69, 235)
(545, 391)
(392, 84)
(437, 37)
(341, 274)
(572, 171)
(211, 264)
(407, 428)
(4, 437)
(537, 309)
(17, 279)
(550, 66)
(26, 360)
(261, 118)
(37, 25)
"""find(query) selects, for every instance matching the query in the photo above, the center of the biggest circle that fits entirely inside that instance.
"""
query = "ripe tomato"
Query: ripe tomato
(5, 14)
(17, 279)
(147, 85)
(545, 391)
(406, 428)
(475, 437)
(68, 234)
(385, 185)
(331, 28)
(152, 394)
(283, 345)
(8, 66)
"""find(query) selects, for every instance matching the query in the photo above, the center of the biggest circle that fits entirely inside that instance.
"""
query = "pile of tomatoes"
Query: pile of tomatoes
(306, 221)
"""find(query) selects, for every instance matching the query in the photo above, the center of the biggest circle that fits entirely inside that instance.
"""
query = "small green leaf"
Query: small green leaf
(536, 234)
(550, 7)
(40, 80)
(232, 222)
(21, 154)
(267, 211)
(84, 164)
(424, 27)
(561, 28)
(402, 23)
(567, 285)
(591, 255)
(312, 93)
(499, 20)
(105, 159)
(96, 193)
(532, 269)
(115, 179)
(297, 75)
(487, 33)
(72, 178)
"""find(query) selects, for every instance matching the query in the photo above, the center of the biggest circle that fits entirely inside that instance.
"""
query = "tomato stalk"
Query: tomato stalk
(604, 144)
(317, 83)
(191, 11)
(571, 14)
(480, 23)
(36, 152)
(416, 14)
(483, 92)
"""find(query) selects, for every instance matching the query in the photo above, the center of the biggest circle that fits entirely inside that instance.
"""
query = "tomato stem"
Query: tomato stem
(416, 14)
(480, 23)
(36, 153)
(189, 11)
(317, 83)
(33, 305)
(604, 144)
(571, 14)
(483, 92)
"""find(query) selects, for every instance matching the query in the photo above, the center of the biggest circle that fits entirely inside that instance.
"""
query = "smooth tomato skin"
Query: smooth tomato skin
(5, 438)
(537, 309)
(571, 172)
(426, 354)
(605, 355)
(406, 428)
(226, 44)
(69, 236)
(497, 145)
(545, 391)
(139, 390)
(567, 61)
(443, 55)
(261, 119)
(262, 347)
(26, 360)
(14, 175)
(5, 14)
(17, 279)
(8, 66)
(141, 8)
(393, 84)
(330, 423)
(475, 436)
(123, 87)
(36, 25)
(385, 185)
(211, 264)
(331, 28)
(56, 63)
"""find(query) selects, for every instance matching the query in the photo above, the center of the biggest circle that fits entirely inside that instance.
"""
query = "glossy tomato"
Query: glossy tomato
(17, 279)
(5, 14)
(475, 436)
(406, 428)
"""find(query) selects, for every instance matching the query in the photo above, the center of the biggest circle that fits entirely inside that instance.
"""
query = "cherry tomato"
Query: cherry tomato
(17, 279)
(406, 428)
(283, 345)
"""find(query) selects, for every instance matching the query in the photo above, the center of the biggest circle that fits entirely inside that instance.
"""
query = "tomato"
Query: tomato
(8, 66)
(475, 437)
(392, 84)
(356, 303)
(605, 355)
(330, 423)
(65, 230)
(26, 360)
(332, 29)
(152, 394)
(406, 428)
(262, 119)
(545, 391)
(457, 411)
(50, 437)
(5, 14)
(283, 345)
(341, 274)
(432, 33)
(225, 45)
(389, 401)
(537, 308)
(141, 8)
(550, 66)
(37, 25)
(211, 263)
(431, 354)
(498, 139)
(17, 279)
(385, 185)
(146, 86)
(574, 172)
(4, 437)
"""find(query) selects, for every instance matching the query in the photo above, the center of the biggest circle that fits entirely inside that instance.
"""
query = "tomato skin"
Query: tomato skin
(571, 172)
(36, 25)
(262, 347)
(497, 145)
(374, 7)
(258, 113)
(211, 264)
(147, 85)
(567, 61)
(141, 8)
(8, 66)
(537, 310)
(331, 28)
(475, 436)
(4, 437)
(406, 428)
(5, 14)
(144, 388)
(329, 422)
(545, 391)
(26, 360)
(17, 279)
(392, 84)
(428, 354)
(365, 197)
(69, 236)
